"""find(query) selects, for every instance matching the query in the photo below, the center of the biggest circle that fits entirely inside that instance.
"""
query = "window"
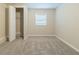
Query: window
(41, 20)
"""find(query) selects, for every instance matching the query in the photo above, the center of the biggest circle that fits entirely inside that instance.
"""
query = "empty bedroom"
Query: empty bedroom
(39, 29)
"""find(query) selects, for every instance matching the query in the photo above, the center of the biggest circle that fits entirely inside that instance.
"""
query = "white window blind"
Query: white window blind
(41, 20)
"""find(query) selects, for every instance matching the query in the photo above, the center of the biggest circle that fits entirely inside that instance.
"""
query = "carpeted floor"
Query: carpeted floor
(37, 45)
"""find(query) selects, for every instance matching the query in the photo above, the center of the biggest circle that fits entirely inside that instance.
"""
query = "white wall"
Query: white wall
(67, 23)
(41, 30)
(2, 22)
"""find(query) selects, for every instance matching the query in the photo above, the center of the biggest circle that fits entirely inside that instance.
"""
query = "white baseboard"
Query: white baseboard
(26, 37)
(67, 43)
(40, 35)
(2, 39)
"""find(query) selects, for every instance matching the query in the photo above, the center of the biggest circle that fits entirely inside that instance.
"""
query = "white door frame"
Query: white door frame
(24, 19)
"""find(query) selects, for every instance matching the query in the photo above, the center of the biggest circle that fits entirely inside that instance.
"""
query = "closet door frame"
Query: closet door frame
(24, 19)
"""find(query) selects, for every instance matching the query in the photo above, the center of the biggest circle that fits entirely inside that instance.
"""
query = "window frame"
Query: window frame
(39, 21)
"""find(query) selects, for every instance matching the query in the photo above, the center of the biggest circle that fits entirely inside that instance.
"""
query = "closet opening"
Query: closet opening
(19, 23)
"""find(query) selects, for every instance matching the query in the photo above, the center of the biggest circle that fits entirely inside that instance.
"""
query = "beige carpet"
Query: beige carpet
(46, 45)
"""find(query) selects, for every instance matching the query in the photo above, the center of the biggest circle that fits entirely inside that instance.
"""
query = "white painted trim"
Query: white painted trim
(40, 35)
(21, 6)
(2, 39)
(67, 43)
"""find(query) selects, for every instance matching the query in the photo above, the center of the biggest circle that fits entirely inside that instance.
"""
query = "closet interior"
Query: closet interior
(19, 23)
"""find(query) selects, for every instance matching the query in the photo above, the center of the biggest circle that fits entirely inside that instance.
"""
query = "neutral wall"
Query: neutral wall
(67, 23)
(41, 30)
(2, 22)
